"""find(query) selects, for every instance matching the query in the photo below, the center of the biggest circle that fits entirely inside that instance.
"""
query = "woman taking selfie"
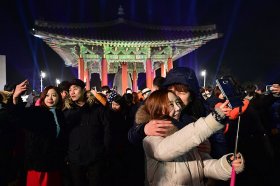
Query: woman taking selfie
(45, 147)
(175, 159)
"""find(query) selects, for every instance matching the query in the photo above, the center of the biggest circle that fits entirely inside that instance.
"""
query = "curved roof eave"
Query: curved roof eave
(49, 36)
(47, 24)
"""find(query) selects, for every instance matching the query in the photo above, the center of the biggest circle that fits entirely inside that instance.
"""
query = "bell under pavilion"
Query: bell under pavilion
(132, 47)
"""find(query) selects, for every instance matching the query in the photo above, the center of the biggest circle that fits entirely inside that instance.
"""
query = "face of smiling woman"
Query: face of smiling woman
(51, 98)
(175, 107)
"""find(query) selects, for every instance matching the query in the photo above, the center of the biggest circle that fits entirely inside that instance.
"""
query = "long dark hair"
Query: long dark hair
(44, 94)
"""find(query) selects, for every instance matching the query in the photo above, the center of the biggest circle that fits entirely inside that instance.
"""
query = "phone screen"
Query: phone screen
(230, 92)
(268, 88)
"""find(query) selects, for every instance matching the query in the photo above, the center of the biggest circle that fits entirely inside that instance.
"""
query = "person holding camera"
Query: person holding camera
(175, 159)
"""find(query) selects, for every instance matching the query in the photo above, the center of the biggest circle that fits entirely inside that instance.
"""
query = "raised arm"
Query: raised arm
(182, 141)
(221, 168)
(20, 88)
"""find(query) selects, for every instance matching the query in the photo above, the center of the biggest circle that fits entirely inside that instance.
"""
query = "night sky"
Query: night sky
(249, 49)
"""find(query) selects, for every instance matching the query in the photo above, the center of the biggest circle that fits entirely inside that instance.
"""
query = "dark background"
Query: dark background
(249, 49)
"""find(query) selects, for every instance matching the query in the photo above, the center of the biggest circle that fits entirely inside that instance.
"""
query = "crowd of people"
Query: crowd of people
(176, 133)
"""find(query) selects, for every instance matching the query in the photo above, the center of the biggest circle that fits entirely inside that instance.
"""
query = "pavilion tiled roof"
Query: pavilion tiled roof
(122, 30)
(66, 39)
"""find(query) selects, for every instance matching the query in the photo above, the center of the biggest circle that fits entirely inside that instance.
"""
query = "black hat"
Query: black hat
(118, 99)
(77, 82)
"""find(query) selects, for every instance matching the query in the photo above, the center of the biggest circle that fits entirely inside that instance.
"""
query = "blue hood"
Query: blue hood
(182, 75)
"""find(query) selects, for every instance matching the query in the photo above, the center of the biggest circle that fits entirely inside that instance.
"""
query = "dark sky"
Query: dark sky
(249, 49)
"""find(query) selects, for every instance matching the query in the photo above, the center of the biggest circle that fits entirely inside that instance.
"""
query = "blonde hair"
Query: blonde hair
(5, 96)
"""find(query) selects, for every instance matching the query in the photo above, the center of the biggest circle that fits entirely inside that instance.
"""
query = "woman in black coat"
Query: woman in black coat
(45, 147)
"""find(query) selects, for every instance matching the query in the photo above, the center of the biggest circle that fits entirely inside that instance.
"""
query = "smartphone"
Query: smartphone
(268, 88)
(230, 92)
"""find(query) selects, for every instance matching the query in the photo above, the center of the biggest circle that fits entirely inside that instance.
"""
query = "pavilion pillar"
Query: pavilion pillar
(87, 79)
(81, 67)
(153, 74)
(162, 70)
(149, 75)
(124, 76)
(169, 64)
(104, 72)
(134, 80)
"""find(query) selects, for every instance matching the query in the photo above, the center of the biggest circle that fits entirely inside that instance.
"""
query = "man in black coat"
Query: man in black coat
(88, 138)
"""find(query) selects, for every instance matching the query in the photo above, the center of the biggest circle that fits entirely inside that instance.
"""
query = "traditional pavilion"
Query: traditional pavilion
(134, 47)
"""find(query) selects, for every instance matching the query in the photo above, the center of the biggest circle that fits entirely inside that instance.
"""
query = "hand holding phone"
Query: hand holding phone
(225, 108)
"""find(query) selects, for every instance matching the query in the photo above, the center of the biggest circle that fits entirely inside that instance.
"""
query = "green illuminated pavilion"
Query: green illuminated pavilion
(134, 47)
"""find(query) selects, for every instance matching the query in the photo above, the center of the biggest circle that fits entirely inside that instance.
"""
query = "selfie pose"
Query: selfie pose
(45, 147)
(175, 159)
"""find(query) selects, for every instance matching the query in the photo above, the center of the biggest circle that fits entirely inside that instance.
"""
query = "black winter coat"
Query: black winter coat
(262, 104)
(45, 150)
(7, 130)
(254, 144)
(89, 134)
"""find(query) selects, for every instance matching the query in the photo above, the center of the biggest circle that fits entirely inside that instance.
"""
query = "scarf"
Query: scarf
(52, 109)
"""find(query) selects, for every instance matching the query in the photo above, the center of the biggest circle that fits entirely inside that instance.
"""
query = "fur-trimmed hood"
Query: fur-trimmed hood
(142, 116)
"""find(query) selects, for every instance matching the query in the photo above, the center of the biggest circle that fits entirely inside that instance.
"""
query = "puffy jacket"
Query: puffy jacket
(89, 134)
(45, 147)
